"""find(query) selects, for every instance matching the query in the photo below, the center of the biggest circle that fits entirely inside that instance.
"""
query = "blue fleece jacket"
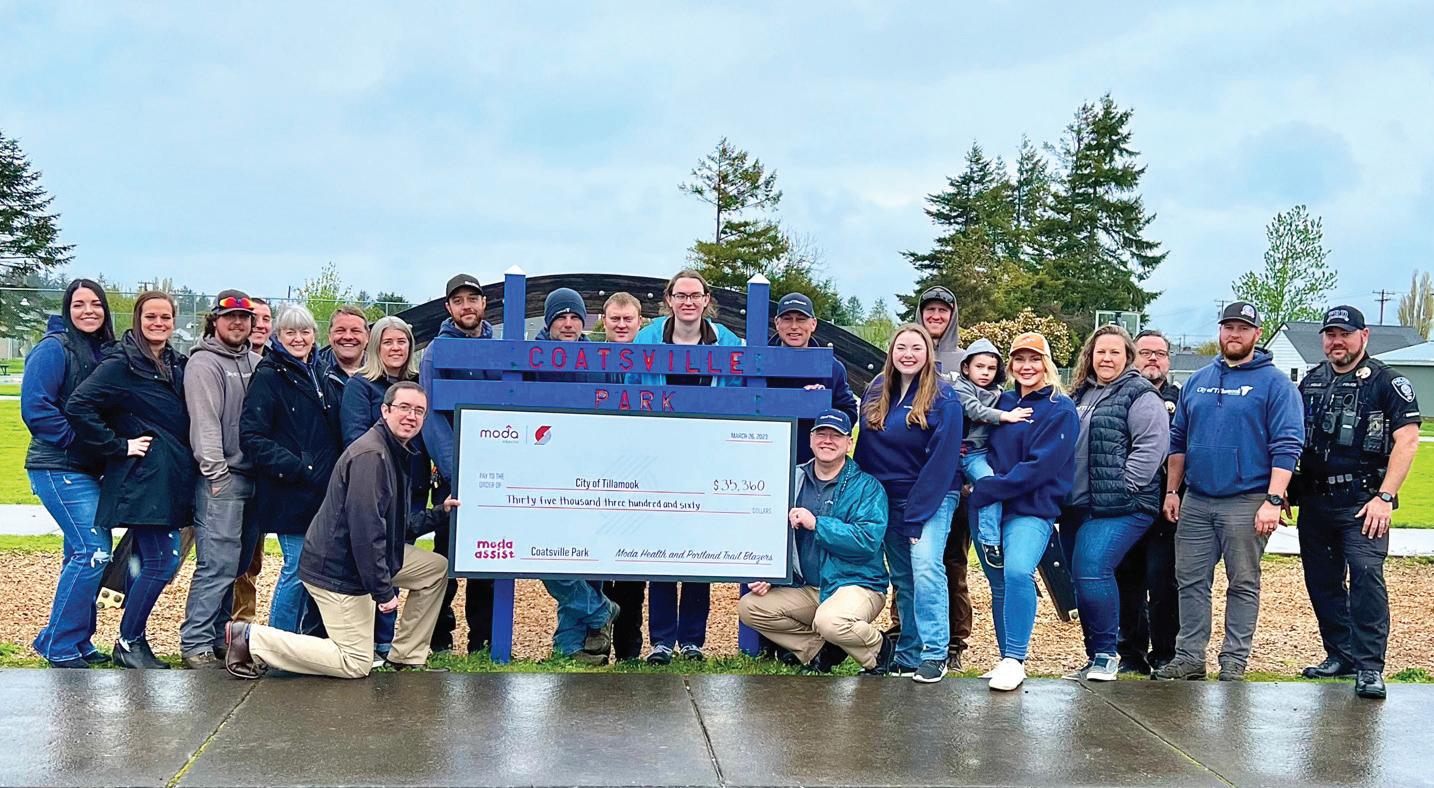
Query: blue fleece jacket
(1034, 462)
(651, 334)
(917, 467)
(438, 428)
(1234, 424)
(40, 405)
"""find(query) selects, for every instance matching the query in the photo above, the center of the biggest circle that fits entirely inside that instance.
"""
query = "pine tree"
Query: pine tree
(745, 240)
(1296, 277)
(975, 212)
(1096, 230)
(29, 234)
(1030, 206)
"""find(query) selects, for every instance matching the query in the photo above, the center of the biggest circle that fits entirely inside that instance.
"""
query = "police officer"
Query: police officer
(1362, 428)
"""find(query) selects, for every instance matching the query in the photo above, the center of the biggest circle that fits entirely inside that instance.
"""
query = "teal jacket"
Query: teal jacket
(849, 536)
(651, 334)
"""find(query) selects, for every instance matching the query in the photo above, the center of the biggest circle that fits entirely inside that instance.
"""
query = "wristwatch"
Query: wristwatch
(1384, 496)
(1275, 500)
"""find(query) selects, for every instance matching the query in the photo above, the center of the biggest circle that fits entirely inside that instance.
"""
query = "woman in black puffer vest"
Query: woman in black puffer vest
(1124, 438)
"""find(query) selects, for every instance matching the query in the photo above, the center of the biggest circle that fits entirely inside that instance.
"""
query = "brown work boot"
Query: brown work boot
(238, 661)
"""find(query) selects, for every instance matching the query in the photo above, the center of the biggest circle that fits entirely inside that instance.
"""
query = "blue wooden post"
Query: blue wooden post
(515, 320)
(758, 295)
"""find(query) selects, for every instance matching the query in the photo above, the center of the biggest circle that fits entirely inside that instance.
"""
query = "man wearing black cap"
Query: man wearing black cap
(794, 325)
(1362, 431)
(840, 580)
(215, 381)
(464, 300)
(941, 318)
(1237, 435)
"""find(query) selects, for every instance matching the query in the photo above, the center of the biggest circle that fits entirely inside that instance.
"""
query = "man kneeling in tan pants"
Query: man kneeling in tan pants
(356, 558)
(840, 579)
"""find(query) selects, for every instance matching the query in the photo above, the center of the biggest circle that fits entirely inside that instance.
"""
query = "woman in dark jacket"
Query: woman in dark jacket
(64, 476)
(131, 412)
(290, 431)
(1124, 437)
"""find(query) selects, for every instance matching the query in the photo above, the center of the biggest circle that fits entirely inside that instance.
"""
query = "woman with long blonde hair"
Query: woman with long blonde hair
(911, 442)
(1032, 464)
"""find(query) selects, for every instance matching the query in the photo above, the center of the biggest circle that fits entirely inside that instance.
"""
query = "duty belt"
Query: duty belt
(1342, 483)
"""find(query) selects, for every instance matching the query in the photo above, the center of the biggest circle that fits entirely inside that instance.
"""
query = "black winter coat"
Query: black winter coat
(356, 543)
(127, 398)
(289, 431)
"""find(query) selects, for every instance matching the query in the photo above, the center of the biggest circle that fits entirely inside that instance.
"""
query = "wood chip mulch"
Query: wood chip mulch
(1286, 640)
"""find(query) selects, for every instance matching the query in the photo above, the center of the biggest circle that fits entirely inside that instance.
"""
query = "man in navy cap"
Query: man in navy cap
(1235, 440)
(839, 578)
(794, 325)
(1362, 431)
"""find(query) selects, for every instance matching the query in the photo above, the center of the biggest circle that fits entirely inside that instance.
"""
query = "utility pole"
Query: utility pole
(1220, 305)
(1383, 297)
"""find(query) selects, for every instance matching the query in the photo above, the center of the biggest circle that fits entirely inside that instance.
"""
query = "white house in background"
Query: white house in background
(1297, 347)
(1415, 362)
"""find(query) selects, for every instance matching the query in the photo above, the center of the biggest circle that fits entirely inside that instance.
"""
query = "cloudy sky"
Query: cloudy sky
(248, 144)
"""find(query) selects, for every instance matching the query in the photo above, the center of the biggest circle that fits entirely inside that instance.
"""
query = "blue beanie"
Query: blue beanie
(562, 301)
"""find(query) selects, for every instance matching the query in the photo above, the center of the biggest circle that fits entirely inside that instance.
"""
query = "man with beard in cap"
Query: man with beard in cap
(1361, 434)
(465, 303)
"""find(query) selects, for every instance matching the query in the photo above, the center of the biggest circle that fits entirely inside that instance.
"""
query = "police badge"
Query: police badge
(1362, 373)
(1170, 406)
(1404, 387)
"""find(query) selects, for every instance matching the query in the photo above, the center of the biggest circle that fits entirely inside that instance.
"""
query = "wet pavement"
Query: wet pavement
(205, 729)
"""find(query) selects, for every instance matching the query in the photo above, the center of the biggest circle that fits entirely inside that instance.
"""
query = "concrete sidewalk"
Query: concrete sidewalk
(206, 729)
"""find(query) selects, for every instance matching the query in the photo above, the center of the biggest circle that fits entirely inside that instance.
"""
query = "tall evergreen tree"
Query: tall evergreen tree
(971, 256)
(1030, 206)
(30, 248)
(1096, 230)
(745, 240)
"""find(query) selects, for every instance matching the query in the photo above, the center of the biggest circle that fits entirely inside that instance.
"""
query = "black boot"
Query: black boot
(1369, 684)
(136, 654)
(826, 659)
(1331, 668)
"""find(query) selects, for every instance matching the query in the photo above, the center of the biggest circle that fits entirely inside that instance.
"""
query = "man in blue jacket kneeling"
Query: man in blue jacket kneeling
(840, 579)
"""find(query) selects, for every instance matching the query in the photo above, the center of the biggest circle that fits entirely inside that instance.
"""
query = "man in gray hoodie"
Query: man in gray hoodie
(214, 384)
(941, 317)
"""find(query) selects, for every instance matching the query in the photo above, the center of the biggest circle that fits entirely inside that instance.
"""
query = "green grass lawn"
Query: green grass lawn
(14, 440)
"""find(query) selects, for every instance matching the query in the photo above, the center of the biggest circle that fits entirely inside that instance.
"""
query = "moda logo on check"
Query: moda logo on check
(542, 435)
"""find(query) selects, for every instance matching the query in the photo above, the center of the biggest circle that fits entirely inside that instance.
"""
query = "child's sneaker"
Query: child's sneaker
(992, 554)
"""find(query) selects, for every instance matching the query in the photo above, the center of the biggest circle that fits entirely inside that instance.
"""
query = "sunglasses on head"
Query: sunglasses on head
(235, 302)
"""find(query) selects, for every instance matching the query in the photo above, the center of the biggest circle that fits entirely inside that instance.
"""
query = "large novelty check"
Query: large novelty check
(604, 495)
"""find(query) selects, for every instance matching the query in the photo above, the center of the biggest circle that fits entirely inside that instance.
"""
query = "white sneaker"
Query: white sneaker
(1103, 668)
(1008, 675)
(988, 674)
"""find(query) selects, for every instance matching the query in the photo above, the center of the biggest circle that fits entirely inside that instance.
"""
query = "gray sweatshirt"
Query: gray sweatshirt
(1149, 426)
(980, 406)
(214, 384)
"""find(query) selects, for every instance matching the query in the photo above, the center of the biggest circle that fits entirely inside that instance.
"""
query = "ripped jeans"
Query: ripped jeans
(72, 498)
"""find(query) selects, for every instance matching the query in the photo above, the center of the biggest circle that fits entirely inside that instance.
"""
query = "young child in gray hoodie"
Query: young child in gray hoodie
(979, 385)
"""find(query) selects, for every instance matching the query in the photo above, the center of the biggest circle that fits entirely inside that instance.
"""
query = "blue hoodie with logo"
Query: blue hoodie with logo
(1234, 424)
(1034, 461)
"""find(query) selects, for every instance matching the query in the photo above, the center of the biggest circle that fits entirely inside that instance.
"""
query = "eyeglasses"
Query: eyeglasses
(234, 302)
(409, 410)
(1152, 353)
(680, 297)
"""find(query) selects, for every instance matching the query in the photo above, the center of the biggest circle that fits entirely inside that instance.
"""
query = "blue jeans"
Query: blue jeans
(580, 608)
(156, 551)
(988, 518)
(919, 576)
(72, 498)
(670, 622)
(1013, 587)
(1094, 546)
(289, 594)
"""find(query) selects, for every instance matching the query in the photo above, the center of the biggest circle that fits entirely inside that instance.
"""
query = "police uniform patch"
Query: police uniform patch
(1404, 387)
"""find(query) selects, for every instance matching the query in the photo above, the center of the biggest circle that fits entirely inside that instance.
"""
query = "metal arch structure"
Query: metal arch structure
(862, 360)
